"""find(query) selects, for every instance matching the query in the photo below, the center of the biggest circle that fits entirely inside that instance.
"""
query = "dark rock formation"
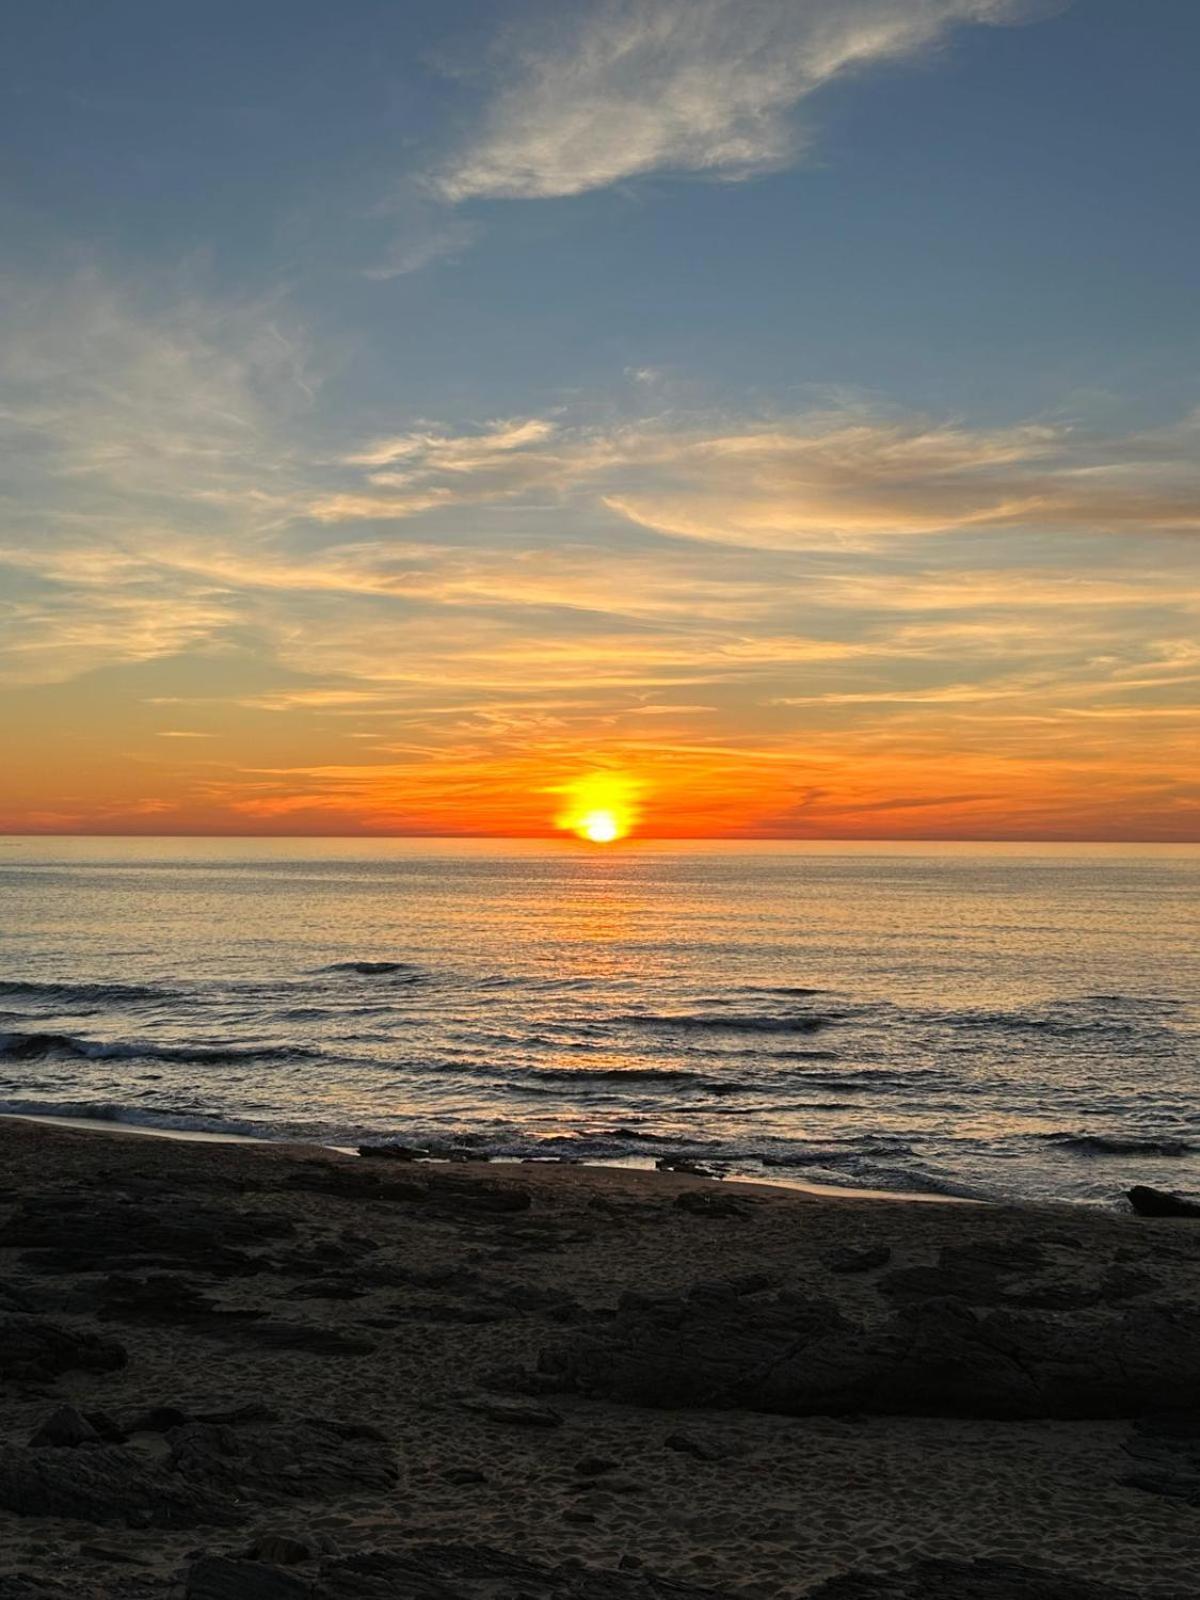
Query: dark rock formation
(430, 1572)
(34, 1350)
(1149, 1202)
(966, 1580)
(107, 1484)
(65, 1428)
(800, 1356)
(314, 1459)
(86, 1232)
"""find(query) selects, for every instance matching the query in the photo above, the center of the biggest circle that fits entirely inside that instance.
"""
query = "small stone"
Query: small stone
(282, 1549)
(65, 1427)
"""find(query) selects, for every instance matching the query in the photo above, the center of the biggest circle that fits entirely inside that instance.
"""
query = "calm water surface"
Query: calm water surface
(979, 1020)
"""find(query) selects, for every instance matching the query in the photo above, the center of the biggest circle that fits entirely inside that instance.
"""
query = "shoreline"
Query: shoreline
(644, 1167)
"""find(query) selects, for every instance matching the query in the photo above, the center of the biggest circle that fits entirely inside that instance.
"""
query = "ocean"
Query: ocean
(978, 1020)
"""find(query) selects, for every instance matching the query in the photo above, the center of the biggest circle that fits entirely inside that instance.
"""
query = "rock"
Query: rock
(1149, 1202)
(595, 1466)
(845, 1259)
(158, 1297)
(434, 1572)
(464, 1475)
(687, 1445)
(107, 1484)
(65, 1427)
(711, 1203)
(515, 1415)
(314, 1338)
(965, 1580)
(800, 1356)
(35, 1350)
(283, 1549)
(316, 1459)
(220, 1578)
(1166, 1455)
(328, 1289)
(87, 1232)
(393, 1152)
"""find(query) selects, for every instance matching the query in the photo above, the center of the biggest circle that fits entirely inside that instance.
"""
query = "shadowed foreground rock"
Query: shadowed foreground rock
(205, 1479)
(800, 1356)
(431, 1572)
(35, 1351)
(965, 1580)
(109, 1485)
(1149, 1202)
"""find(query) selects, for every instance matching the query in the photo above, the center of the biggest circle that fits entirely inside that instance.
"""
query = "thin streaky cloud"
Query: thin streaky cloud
(592, 94)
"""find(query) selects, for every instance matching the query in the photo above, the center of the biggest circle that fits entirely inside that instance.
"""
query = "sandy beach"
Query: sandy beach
(241, 1370)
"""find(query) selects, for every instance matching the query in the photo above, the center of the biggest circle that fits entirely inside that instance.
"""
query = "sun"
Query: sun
(601, 806)
(601, 827)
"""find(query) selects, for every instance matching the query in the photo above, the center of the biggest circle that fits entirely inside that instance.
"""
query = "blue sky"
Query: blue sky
(625, 344)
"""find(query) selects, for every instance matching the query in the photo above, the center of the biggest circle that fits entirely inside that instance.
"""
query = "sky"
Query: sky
(781, 415)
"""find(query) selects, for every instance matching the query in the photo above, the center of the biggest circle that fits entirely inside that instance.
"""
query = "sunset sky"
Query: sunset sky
(785, 411)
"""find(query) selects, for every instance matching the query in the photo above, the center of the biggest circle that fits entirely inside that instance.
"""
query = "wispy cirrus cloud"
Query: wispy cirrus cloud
(794, 483)
(588, 95)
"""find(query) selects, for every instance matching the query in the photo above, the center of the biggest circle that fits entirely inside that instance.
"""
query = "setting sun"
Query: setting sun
(601, 827)
(601, 806)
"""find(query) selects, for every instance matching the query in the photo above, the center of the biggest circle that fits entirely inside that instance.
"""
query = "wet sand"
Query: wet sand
(731, 1387)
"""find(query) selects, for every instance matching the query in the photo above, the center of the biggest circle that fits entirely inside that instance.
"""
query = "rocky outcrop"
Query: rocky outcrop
(87, 1232)
(1149, 1202)
(107, 1484)
(798, 1355)
(313, 1459)
(966, 1580)
(35, 1350)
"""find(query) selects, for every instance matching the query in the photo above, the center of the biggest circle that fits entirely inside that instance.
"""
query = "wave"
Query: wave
(380, 969)
(89, 993)
(740, 1022)
(1104, 1144)
(130, 1116)
(38, 1046)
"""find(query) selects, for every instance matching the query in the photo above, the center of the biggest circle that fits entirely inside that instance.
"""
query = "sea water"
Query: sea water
(979, 1020)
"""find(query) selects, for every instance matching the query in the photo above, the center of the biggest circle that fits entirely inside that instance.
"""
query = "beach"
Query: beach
(256, 1370)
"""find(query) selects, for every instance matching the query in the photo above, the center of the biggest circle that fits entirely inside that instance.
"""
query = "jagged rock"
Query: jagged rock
(107, 1484)
(845, 1260)
(87, 1232)
(392, 1152)
(315, 1459)
(799, 1357)
(285, 1549)
(225, 1578)
(1149, 1202)
(65, 1427)
(158, 1297)
(966, 1580)
(35, 1350)
(431, 1572)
